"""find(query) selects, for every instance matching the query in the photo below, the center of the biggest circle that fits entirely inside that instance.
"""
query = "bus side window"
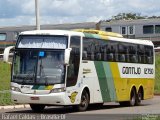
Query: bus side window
(73, 68)
(133, 53)
(104, 53)
(148, 55)
(121, 53)
(110, 57)
(140, 52)
(84, 55)
(112, 53)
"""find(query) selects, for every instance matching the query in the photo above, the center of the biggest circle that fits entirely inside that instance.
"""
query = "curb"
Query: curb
(14, 107)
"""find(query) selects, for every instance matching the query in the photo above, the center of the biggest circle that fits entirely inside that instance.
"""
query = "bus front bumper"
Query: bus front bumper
(50, 99)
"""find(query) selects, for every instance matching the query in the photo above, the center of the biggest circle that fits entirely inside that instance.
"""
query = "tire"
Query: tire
(139, 97)
(84, 102)
(132, 98)
(37, 107)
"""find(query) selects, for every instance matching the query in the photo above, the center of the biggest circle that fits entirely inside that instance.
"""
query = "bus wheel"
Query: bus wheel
(132, 98)
(84, 101)
(139, 97)
(37, 107)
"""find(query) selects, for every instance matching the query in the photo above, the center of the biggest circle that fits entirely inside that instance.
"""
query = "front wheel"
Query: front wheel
(37, 107)
(84, 101)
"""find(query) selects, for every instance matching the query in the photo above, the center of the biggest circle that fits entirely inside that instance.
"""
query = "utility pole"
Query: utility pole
(37, 14)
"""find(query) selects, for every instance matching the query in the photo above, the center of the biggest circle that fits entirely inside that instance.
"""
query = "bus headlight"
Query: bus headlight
(57, 90)
(15, 89)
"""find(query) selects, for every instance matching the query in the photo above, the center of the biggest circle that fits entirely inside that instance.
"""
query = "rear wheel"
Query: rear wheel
(37, 107)
(84, 102)
(139, 97)
(132, 98)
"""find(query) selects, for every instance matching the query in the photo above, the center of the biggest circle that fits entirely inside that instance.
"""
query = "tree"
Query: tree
(128, 16)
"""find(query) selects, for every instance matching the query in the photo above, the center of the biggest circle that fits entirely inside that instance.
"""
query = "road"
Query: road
(149, 108)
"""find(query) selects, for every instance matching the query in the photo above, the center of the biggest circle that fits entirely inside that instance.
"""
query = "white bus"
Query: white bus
(78, 68)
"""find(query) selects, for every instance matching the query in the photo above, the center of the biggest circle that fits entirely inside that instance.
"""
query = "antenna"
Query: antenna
(37, 14)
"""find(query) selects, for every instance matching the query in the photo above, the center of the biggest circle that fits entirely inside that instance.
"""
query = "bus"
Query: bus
(81, 67)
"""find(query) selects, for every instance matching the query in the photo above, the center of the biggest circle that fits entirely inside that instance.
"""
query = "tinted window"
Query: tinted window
(109, 29)
(148, 54)
(131, 30)
(157, 29)
(73, 68)
(141, 54)
(99, 50)
(148, 29)
(112, 51)
(123, 30)
(123, 55)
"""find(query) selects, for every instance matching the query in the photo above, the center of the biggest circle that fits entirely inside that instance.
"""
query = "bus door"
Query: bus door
(73, 68)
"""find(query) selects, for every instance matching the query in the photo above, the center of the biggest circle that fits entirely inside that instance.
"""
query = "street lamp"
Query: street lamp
(37, 14)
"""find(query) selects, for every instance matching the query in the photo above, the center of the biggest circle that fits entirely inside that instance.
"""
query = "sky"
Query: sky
(22, 12)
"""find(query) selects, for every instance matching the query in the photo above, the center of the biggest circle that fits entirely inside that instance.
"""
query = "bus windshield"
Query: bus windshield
(38, 67)
(45, 42)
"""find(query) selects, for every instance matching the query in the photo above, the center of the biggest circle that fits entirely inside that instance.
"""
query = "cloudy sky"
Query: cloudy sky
(22, 12)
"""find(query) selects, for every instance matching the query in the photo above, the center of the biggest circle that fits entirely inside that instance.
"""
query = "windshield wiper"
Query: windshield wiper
(30, 76)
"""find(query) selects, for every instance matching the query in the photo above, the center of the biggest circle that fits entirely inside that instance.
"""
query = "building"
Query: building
(148, 29)
(8, 35)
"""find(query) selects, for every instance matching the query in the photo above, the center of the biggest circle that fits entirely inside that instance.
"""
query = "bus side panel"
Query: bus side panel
(106, 81)
(148, 85)
(90, 79)
(124, 85)
(120, 84)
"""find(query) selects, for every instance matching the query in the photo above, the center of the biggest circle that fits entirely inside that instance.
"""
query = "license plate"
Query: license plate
(34, 98)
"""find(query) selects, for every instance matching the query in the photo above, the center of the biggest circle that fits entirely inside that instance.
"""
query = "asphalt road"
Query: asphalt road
(150, 109)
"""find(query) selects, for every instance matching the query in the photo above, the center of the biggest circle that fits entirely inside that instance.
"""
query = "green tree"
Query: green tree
(128, 16)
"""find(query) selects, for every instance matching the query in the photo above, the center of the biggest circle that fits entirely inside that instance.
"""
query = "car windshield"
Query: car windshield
(38, 67)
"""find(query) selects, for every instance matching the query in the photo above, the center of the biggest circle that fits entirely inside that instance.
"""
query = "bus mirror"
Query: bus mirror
(67, 56)
(7, 54)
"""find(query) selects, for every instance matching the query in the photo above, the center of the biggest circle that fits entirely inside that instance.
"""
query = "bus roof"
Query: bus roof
(51, 32)
(90, 34)
(100, 32)
(134, 41)
(112, 36)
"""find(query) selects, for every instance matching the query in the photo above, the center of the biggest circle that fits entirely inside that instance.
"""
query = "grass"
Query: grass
(157, 73)
(147, 117)
(5, 96)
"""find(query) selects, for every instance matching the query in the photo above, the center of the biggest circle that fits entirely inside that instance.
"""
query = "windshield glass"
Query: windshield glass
(50, 67)
(38, 67)
(48, 42)
(24, 66)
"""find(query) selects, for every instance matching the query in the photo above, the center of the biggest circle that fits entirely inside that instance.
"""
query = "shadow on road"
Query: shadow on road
(66, 110)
